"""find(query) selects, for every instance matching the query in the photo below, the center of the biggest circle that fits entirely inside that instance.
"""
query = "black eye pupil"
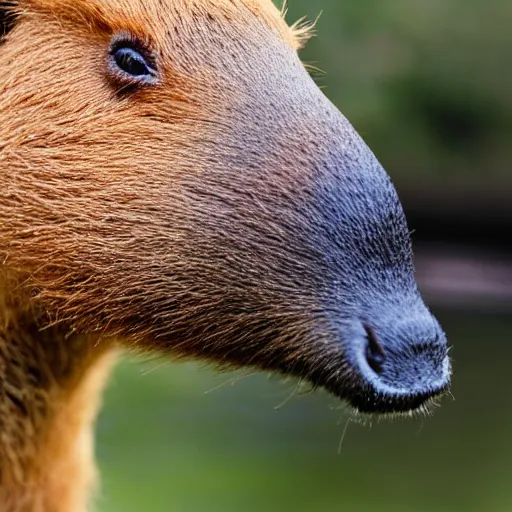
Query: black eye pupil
(132, 62)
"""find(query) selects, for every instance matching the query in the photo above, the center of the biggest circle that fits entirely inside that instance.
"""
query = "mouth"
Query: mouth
(368, 398)
(371, 401)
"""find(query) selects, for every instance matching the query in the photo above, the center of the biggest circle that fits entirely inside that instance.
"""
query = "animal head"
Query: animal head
(171, 176)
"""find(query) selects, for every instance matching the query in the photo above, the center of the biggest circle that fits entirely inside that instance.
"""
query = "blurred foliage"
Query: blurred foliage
(427, 84)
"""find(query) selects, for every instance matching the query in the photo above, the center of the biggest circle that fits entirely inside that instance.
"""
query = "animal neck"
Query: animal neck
(49, 395)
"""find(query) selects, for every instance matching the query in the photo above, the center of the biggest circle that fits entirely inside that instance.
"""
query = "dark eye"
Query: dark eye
(132, 62)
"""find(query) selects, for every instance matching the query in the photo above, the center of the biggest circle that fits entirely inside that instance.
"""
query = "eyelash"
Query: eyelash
(127, 51)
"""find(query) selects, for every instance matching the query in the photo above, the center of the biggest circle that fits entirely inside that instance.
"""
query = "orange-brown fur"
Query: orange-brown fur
(69, 286)
(173, 180)
(49, 394)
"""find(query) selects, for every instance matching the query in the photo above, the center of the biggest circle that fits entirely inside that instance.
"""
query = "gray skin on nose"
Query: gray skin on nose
(308, 244)
(395, 352)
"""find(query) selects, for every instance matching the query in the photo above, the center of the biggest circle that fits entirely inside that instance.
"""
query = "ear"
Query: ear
(7, 17)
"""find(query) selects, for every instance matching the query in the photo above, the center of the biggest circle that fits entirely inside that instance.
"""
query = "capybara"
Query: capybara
(172, 180)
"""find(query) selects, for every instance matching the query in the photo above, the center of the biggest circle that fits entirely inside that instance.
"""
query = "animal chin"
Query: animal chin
(371, 397)
(370, 400)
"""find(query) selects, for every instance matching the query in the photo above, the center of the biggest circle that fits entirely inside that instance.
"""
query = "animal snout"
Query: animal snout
(400, 367)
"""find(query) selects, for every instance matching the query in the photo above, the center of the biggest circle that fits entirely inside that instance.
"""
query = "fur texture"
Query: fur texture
(225, 211)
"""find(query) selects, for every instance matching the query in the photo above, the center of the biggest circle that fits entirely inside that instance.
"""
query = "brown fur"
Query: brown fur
(226, 211)
(48, 401)
(55, 191)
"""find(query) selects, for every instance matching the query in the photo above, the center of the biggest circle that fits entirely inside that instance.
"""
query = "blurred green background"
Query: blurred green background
(428, 85)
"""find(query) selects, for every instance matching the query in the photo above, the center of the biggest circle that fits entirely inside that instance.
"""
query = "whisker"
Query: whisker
(231, 381)
(289, 397)
(343, 434)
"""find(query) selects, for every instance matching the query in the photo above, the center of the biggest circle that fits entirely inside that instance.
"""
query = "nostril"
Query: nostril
(374, 352)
